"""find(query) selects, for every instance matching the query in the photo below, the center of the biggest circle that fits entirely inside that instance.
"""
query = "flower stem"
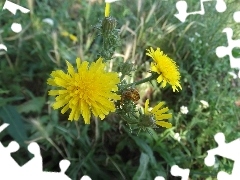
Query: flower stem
(153, 76)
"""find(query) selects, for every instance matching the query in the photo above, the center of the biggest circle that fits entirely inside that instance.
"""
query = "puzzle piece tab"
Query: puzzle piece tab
(236, 17)
(182, 9)
(177, 171)
(34, 165)
(159, 178)
(228, 150)
(222, 51)
(33, 169)
(12, 7)
(16, 27)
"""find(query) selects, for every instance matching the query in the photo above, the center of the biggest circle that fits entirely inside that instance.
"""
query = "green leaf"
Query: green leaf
(164, 152)
(4, 101)
(142, 169)
(16, 127)
(33, 105)
(145, 148)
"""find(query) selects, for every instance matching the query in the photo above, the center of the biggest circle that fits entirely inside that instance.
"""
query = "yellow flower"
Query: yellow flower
(166, 68)
(158, 114)
(64, 33)
(107, 10)
(73, 38)
(90, 89)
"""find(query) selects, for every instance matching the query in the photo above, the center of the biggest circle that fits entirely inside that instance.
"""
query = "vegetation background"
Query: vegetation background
(106, 149)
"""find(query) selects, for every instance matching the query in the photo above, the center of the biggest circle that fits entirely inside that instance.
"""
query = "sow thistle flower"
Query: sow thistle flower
(166, 68)
(90, 89)
(109, 33)
(155, 116)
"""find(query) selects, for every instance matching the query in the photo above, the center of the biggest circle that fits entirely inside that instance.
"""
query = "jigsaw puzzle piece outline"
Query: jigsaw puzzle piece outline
(12, 7)
(227, 150)
(177, 171)
(236, 16)
(222, 51)
(182, 7)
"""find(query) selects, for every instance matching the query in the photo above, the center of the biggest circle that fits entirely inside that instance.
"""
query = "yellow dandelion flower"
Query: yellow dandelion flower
(166, 68)
(107, 10)
(158, 114)
(90, 89)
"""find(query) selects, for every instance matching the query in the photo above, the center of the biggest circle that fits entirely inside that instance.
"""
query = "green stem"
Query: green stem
(153, 76)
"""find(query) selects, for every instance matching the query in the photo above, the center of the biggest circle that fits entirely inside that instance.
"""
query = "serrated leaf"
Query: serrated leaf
(16, 128)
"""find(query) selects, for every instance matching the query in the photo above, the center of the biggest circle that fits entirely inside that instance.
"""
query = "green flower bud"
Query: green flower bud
(108, 25)
(147, 121)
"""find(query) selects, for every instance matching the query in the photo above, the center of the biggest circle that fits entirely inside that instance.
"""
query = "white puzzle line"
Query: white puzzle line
(182, 6)
(227, 150)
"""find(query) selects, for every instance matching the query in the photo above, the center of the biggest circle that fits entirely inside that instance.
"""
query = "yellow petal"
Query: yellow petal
(85, 112)
(163, 116)
(56, 92)
(71, 70)
(60, 82)
(64, 109)
(154, 68)
(72, 114)
(60, 103)
(51, 82)
(146, 107)
(164, 83)
(164, 124)
(160, 79)
(156, 108)
(77, 112)
(163, 110)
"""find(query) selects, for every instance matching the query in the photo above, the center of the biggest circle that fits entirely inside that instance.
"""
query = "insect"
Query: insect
(130, 94)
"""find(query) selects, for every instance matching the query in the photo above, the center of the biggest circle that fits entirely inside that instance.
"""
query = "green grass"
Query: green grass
(106, 149)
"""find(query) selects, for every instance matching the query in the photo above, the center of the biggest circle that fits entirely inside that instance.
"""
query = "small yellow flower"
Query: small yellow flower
(107, 10)
(64, 33)
(166, 68)
(73, 38)
(158, 114)
(90, 89)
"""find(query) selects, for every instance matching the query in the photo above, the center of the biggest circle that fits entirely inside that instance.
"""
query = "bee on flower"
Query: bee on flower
(130, 94)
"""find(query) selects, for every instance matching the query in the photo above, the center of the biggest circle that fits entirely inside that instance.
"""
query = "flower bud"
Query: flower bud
(108, 25)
